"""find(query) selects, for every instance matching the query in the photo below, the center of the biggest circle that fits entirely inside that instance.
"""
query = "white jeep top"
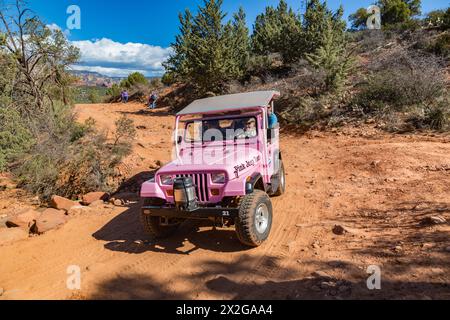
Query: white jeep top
(230, 102)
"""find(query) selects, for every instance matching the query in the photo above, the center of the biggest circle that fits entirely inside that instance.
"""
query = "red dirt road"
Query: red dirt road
(378, 186)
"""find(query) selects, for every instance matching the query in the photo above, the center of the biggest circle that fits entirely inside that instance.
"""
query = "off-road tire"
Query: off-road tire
(246, 224)
(282, 181)
(154, 228)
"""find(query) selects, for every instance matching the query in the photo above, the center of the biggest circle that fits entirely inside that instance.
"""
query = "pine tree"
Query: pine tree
(176, 66)
(208, 57)
(332, 57)
(278, 30)
(316, 20)
(359, 19)
(392, 12)
(208, 53)
(241, 42)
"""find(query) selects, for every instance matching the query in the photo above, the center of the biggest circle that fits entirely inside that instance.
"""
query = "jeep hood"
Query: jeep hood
(235, 162)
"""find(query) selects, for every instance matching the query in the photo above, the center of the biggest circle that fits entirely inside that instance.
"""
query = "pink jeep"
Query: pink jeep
(227, 162)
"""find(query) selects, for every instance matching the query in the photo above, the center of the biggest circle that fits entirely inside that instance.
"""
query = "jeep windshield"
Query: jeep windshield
(212, 130)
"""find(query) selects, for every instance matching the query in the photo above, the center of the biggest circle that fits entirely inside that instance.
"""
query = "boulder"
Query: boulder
(78, 211)
(434, 220)
(25, 220)
(50, 219)
(93, 197)
(61, 203)
(11, 235)
(97, 204)
(339, 230)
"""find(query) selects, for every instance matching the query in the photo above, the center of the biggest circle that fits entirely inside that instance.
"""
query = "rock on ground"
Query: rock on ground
(61, 203)
(78, 211)
(24, 220)
(49, 220)
(11, 235)
(93, 197)
(97, 204)
(433, 220)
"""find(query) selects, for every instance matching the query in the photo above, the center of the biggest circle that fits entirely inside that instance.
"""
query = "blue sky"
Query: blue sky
(117, 37)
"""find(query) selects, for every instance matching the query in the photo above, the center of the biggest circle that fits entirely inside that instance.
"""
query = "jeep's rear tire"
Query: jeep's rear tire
(255, 219)
(153, 225)
(282, 181)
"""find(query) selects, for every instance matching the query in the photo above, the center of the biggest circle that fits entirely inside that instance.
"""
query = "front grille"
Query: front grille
(201, 185)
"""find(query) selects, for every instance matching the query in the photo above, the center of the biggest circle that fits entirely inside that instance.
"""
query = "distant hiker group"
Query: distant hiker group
(125, 97)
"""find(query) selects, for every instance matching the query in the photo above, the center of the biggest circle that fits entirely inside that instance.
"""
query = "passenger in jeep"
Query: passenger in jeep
(248, 131)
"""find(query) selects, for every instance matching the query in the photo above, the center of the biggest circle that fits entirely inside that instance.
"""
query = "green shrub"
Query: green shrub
(169, 79)
(114, 91)
(401, 80)
(125, 132)
(435, 116)
(76, 163)
(94, 96)
(134, 79)
(441, 46)
(15, 138)
(305, 113)
(435, 18)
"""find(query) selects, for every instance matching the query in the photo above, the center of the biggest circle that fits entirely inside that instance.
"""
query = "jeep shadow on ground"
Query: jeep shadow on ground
(124, 233)
(220, 280)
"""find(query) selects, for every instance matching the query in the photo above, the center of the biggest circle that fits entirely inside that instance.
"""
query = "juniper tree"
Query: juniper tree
(177, 67)
(206, 53)
(241, 43)
(332, 58)
(278, 30)
(317, 18)
(358, 20)
(392, 12)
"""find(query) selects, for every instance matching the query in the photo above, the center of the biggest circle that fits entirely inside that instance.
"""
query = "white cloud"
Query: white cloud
(113, 72)
(119, 59)
(54, 27)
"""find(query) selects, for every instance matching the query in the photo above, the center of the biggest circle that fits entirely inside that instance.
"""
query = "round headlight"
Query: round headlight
(166, 180)
(218, 178)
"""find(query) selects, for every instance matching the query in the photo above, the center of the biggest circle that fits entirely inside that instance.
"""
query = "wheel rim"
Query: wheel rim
(283, 178)
(262, 218)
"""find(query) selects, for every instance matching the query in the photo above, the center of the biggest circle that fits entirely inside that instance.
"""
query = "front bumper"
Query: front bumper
(199, 213)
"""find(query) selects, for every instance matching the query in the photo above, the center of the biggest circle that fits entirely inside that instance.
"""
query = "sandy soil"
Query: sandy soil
(379, 186)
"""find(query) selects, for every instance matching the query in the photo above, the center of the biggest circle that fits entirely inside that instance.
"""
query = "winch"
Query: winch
(184, 194)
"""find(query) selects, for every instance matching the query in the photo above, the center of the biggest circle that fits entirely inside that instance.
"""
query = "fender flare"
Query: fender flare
(255, 182)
